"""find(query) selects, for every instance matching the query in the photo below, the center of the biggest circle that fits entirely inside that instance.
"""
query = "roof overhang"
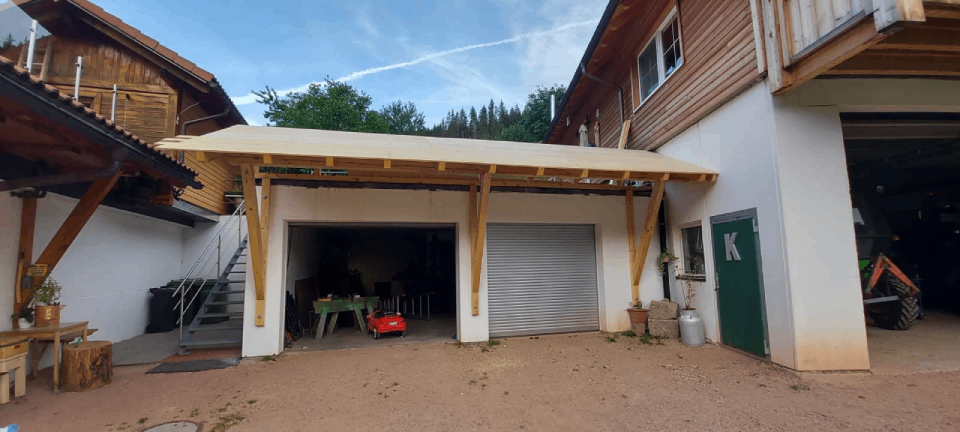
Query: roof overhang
(382, 158)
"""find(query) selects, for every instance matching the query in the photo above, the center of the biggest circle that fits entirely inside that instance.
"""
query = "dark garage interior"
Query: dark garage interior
(408, 268)
(904, 171)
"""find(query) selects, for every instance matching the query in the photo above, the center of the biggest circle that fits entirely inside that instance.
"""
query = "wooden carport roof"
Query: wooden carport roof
(474, 165)
(429, 160)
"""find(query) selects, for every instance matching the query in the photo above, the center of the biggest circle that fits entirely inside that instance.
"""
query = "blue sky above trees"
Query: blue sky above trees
(441, 55)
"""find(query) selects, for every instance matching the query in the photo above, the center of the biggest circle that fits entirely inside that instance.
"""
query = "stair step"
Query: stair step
(219, 314)
(237, 272)
(211, 343)
(212, 327)
(228, 292)
(232, 281)
(227, 302)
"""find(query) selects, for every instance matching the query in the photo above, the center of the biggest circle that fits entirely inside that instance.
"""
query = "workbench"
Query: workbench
(334, 307)
(55, 335)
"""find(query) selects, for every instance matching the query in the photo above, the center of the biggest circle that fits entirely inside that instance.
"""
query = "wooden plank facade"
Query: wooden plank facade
(717, 40)
(151, 101)
(730, 45)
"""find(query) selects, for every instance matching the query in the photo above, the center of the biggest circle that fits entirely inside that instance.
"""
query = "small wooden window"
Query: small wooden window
(661, 57)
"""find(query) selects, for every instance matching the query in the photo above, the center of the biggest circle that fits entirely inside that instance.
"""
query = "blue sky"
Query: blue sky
(440, 55)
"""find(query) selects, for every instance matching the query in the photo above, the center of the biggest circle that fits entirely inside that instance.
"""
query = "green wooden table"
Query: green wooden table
(334, 307)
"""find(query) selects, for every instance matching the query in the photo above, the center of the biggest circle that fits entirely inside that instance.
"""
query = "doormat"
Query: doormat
(175, 427)
(195, 365)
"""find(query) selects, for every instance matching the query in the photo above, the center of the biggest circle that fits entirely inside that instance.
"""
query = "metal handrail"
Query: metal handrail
(195, 273)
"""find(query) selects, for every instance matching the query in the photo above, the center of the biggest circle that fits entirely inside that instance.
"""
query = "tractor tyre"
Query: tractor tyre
(896, 315)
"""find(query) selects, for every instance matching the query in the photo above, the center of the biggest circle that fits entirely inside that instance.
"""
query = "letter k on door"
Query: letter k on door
(730, 245)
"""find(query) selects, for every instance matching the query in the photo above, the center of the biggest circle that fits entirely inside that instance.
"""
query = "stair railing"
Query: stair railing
(227, 240)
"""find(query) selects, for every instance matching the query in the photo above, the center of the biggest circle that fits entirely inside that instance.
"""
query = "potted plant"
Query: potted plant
(638, 315)
(663, 259)
(47, 303)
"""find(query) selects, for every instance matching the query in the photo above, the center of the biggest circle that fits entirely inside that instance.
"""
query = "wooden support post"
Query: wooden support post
(201, 156)
(653, 207)
(472, 218)
(329, 161)
(540, 172)
(71, 227)
(255, 243)
(632, 238)
(386, 164)
(493, 169)
(442, 166)
(479, 242)
(267, 159)
(623, 134)
(28, 223)
(265, 214)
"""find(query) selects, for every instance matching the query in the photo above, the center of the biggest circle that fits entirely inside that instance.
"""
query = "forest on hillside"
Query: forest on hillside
(336, 105)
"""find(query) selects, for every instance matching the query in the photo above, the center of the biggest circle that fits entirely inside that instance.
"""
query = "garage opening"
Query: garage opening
(337, 273)
(904, 173)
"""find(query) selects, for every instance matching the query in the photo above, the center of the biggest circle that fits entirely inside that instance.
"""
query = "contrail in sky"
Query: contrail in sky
(251, 98)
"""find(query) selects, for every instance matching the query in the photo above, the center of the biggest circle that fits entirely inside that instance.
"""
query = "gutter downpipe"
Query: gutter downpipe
(583, 70)
(663, 245)
(116, 162)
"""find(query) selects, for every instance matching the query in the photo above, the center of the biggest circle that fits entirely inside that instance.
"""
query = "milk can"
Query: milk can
(691, 328)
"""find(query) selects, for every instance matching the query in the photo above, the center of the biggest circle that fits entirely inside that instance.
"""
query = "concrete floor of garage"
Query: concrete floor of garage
(439, 329)
(929, 346)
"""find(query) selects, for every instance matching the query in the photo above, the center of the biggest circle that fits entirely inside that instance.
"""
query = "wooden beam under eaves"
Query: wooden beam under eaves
(649, 224)
(28, 223)
(254, 242)
(265, 190)
(70, 229)
(479, 242)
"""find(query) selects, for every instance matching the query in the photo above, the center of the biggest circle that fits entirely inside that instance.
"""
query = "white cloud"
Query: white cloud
(535, 38)
(549, 58)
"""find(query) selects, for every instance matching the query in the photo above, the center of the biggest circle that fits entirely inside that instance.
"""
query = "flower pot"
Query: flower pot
(47, 316)
(638, 316)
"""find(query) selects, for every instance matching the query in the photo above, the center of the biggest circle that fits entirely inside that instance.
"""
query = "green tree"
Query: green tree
(7, 41)
(404, 118)
(535, 119)
(330, 106)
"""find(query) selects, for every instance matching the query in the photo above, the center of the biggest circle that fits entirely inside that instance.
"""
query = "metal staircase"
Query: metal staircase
(218, 322)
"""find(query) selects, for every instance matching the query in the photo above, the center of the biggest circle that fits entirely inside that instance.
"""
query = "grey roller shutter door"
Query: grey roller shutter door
(541, 279)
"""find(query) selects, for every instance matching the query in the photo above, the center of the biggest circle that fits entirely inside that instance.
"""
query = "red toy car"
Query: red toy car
(382, 322)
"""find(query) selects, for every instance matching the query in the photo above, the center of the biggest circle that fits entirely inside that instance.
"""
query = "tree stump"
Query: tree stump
(87, 366)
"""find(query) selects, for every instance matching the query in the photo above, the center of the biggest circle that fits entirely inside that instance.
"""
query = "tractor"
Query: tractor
(889, 296)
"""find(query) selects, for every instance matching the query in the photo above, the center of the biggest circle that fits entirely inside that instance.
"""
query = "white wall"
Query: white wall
(820, 240)
(196, 240)
(738, 142)
(296, 205)
(107, 271)
(302, 257)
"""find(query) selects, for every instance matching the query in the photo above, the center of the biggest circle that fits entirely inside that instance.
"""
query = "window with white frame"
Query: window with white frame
(661, 57)
(693, 256)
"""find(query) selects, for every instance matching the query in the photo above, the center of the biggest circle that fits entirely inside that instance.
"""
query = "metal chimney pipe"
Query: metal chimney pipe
(113, 105)
(32, 46)
(76, 86)
(553, 107)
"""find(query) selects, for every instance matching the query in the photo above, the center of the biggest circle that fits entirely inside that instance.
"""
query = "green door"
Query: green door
(739, 285)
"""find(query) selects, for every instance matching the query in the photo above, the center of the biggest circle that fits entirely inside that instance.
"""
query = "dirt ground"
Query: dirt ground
(566, 382)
